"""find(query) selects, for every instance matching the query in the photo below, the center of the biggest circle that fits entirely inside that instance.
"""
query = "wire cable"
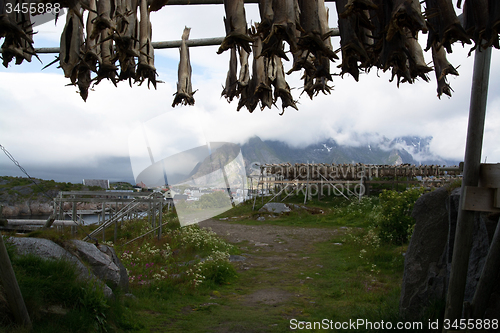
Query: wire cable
(9, 155)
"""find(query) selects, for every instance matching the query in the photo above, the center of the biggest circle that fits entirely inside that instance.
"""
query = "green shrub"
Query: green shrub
(393, 217)
(216, 269)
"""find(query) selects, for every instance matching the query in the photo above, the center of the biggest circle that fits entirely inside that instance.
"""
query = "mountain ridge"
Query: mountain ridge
(401, 150)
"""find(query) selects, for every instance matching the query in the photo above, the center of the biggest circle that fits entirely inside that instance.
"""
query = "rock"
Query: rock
(275, 207)
(23, 190)
(123, 284)
(429, 256)
(47, 249)
(100, 263)
(425, 273)
(233, 258)
(261, 218)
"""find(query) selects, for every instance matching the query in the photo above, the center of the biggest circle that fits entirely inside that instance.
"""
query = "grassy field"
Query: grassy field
(185, 283)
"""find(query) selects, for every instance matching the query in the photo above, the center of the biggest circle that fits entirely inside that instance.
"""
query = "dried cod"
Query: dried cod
(442, 68)
(145, 68)
(184, 94)
(236, 23)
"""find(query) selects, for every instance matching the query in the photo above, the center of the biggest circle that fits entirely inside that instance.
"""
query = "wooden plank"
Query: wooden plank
(17, 222)
(479, 199)
(107, 194)
(11, 288)
(489, 175)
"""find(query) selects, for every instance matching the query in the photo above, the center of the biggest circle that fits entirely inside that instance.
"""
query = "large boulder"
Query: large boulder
(429, 256)
(47, 249)
(275, 207)
(425, 273)
(100, 263)
(109, 251)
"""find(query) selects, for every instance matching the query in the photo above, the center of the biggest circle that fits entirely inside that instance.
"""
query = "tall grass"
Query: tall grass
(56, 299)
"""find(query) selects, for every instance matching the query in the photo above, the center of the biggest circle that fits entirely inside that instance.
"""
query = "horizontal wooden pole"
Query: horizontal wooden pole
(209, 2)
(213, 41)
(104, 193)
(14, 222)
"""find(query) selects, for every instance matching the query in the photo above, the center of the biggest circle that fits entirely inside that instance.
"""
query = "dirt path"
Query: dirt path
(270, 238)
(271, 265)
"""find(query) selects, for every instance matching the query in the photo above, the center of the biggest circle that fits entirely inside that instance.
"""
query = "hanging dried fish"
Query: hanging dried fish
(309, 85)
(244, 76)
(259, 86)
(406, 14)
(475, 20)
(442, 68)
(17, 29)
(107, 68)
(416, 61)
(357, 6)
(286, 21)
(247, 97)
(83, 81)
(91, 53)
(281, 87)
(263, 91)
(231, 89)
(105, 18)
(311, 38)
(184, 94)
(354, 53)
(145, 67)
(236, 21)
(303, 59)
(493, 27)
(126, 38)
(266, 17)
(443, 24)
(71, 45)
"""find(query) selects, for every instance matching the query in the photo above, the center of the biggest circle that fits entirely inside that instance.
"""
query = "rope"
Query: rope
(9, 155)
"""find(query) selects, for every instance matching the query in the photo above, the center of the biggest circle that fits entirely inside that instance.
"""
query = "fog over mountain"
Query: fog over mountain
(407, 149)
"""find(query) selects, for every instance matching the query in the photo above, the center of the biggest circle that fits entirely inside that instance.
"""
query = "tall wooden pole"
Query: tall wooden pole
(11, 287)
(465, 220)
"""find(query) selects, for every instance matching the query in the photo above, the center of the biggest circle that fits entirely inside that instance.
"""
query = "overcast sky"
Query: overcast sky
(54, 134)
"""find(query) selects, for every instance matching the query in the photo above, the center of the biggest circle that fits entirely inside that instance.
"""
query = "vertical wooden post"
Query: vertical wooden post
(73, 215)
(11, 287)
(465, 220)
(103, 221)
(307, 186)
(160, 217)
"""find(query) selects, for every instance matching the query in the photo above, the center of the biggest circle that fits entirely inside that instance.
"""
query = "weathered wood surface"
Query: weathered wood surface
(17, 222)
(481, 199)
(465, 219)
(11, 288)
